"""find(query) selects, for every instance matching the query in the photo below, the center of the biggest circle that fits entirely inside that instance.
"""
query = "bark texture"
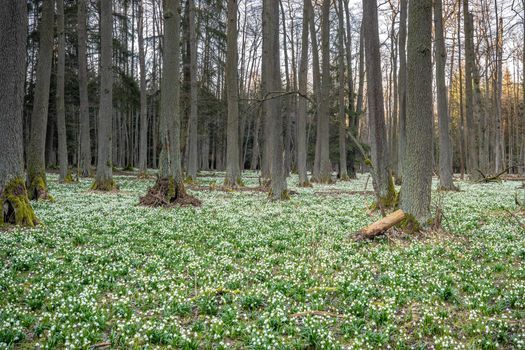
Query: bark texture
(402, 87)
(193, 119)
(85, 130)
(417, 165)
(302, 103)
(445, 143)
(64, 175)
(36, 167)
(143, 148)
(376, 114)
(14, 204)
(104, 177)
(233, 171)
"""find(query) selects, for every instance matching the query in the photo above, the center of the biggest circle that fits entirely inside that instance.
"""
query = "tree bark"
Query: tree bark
(343, 173)
(417, 165)
(193, 119)
(272, 78)
(380, 159)
(233, 171)
(445, 144)
(302, 103)
(61, 116)
(402, 89)
(143, 148)
(104, 177)
(36, 167)
(14, 204)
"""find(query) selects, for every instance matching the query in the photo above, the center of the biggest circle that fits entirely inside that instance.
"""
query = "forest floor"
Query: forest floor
(243, 272)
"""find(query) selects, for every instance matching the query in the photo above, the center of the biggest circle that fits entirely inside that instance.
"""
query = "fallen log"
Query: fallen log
(379, 227)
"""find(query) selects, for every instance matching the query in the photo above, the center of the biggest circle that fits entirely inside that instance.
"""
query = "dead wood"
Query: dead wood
(379, 227)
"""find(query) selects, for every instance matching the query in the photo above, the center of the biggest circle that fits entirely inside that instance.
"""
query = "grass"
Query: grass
(102, 270)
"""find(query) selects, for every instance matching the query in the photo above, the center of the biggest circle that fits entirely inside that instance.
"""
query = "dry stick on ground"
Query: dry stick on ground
(317, 313)
(493, 178)
(379, 227)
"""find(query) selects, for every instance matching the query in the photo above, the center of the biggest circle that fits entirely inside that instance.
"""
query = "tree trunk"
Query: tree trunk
(316, 75)
(325, 171)
(343, 173)
(14, 204)
(193, 119)
(61, 116)
(302, 103)
(445, 144)
(36, 168)
(417, 165)
(272, 81)
(380, 160)
(402, 87)
(143, 149)
(233, 171)
(104, 177)
(471, 119)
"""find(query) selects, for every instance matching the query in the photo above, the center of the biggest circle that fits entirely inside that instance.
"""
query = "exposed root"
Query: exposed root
(15, 206)
(167, 193)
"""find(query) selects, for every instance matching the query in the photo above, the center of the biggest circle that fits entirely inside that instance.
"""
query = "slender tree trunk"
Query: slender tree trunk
(471, 119)
(233, 171)
(325, 174)
(352, 112)
(343, 173)
(417, 181)
(316, 70)
(302, 103)
(499, 143)
(402, 92)
(143, 149)
(14, 204)
(104, 177)
(380, 159)
(36, 167)
(445, 144)
(193, 119)
(61, 116)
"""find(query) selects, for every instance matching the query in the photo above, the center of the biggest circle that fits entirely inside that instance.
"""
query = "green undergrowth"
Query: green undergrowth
(245, 272)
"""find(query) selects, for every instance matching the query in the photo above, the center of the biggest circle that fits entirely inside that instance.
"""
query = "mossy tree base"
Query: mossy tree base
(68, 179)
(345, 177)
(233, 184)
(37, 189)
(283, 196)
(14, 202)
(451, 188)
(167, 193)
(104, 185)
(409, 224)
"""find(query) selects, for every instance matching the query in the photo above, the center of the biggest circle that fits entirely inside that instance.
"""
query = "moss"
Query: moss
(69, 178)
(327, 180)
(345, 177)
(235, 184)
(15, 196)
(409, 224)
(38, 189)
(284, 196)
(104, 185)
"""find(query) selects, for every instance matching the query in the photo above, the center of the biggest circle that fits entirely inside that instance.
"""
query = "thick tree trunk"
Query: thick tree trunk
(61, 115)
(417, 181)
(352, 111)
(302, 103)
(272, 81)
(104, 177)
(193, 119)
(85, 138)
(445, 144)
(143, 148)
(36, 167)
(233, 171)
(380, 159)
(14, 204)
